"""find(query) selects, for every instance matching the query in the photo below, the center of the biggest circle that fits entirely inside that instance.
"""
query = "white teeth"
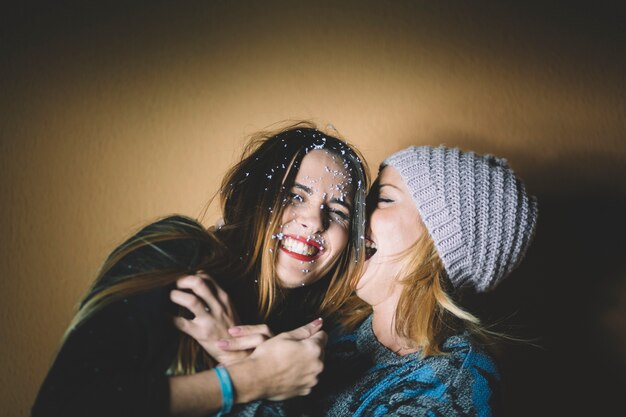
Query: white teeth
(370, 248)
(293, 245)
(369, 244)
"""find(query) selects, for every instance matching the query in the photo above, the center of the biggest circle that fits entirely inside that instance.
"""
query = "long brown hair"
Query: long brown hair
(252, 194)
(154, 257)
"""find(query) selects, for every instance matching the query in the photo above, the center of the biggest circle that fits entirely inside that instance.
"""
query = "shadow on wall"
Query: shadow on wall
(569, 294)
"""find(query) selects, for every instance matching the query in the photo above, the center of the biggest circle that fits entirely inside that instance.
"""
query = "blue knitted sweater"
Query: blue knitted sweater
(364, 378)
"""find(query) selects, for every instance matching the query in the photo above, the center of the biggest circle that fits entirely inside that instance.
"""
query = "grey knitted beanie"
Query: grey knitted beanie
(475, 208)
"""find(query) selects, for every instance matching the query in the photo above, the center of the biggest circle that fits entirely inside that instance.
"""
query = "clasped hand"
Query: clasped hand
(287, 364)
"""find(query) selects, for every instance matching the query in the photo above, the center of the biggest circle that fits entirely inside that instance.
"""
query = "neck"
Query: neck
(383, 325)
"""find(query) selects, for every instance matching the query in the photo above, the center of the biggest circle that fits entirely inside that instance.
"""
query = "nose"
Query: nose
(312, 218)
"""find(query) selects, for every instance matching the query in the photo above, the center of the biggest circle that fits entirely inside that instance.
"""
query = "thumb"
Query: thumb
(304, 332)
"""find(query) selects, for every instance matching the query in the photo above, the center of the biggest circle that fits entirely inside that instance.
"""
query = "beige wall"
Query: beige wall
(111, 117)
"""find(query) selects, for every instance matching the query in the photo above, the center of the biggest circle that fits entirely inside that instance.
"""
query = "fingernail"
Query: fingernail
(222, 343)
(234, 330)
(317, 322)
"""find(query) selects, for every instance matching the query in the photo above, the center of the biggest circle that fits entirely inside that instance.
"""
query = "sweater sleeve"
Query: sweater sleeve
(115, 362)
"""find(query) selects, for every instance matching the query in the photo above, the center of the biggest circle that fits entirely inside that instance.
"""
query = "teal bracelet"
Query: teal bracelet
(226, 386)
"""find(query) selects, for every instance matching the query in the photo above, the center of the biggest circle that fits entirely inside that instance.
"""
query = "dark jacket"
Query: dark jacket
(115, 363)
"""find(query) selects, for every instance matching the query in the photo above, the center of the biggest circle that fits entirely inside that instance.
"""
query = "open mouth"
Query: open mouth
(370, 248)
(301, 248)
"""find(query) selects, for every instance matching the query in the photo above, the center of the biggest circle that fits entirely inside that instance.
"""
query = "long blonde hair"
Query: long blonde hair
(426, 313)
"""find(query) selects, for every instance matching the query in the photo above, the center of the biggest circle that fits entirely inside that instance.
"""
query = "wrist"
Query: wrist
(246, 384)
(227, 390)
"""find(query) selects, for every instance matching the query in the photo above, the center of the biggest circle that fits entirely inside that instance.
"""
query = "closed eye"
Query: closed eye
(341, 214)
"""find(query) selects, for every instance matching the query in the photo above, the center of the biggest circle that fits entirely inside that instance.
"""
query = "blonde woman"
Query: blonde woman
(442, 220)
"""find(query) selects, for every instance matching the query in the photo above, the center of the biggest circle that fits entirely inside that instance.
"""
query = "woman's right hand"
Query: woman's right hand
(287, 365)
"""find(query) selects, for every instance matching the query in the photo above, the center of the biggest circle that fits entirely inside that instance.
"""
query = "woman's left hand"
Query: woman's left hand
(213, 312)
(246, 337)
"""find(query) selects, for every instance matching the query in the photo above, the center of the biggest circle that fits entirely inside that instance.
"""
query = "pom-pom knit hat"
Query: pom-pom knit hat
(475, 208)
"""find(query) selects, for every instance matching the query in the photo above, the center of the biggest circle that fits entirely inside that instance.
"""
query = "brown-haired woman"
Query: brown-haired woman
(293, 211)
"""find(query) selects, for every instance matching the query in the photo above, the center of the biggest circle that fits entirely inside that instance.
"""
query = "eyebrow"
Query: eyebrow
(389, 185)
(304, 188)
(309, 191)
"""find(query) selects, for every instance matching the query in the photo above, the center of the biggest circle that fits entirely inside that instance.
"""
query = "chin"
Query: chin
(296, 284)
(296, 278)
(361, 286)
(284, 284)
(362, 295)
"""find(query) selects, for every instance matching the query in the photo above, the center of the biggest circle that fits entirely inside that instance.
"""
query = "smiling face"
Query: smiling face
(316, 221)
(394, 226)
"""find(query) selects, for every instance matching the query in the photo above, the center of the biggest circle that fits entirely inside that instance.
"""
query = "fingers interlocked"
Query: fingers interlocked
(246, 337)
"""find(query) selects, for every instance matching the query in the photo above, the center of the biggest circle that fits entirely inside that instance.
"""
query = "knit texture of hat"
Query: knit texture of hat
(475, 208)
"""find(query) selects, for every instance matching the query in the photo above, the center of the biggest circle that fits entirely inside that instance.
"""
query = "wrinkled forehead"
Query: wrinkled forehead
(326, 172)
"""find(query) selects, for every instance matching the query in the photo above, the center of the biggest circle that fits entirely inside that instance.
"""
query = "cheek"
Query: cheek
(390, 227)
(409, 228)
(338, 237)
(288, 215)
(384, 224)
